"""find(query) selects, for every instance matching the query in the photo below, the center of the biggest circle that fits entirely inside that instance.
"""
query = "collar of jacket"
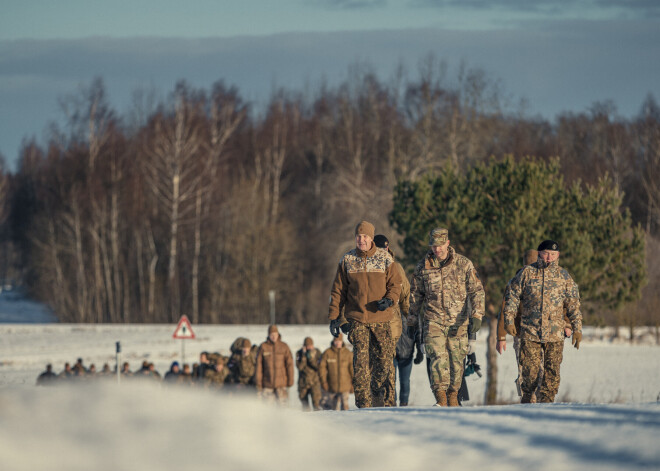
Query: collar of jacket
(368, 253)
(541, 265)
(433, 262)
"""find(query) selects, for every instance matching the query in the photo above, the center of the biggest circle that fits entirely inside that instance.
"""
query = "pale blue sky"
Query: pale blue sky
(58, 19)
(560, 55)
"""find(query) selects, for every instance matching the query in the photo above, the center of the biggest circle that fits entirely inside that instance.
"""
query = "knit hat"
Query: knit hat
(530, 257)
(365, 228)
(246, 343)
(438, 236)
(338, 337)
(308, 342)
(548, 245)
(174, 363)
(272, 328)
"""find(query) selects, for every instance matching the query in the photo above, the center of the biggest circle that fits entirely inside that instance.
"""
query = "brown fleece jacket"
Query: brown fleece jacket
(363, 279)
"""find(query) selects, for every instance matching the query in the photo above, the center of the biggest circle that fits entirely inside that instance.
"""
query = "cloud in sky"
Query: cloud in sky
(558, 66)
(349, 4)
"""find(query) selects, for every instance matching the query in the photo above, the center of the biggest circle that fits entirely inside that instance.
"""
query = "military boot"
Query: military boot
(453, 399)
(440, 398)
(526, 399)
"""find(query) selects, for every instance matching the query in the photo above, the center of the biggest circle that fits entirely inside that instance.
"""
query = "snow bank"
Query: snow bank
(143, 427)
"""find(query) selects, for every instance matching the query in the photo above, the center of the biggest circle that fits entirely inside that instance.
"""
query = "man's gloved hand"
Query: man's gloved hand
(419, 356)
(577, 338)
(384, 304)
(345, 326)
(334, 327)
(475, 325)
(511, 330)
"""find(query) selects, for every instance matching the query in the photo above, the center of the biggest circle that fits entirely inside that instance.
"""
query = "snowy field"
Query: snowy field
(609, 417)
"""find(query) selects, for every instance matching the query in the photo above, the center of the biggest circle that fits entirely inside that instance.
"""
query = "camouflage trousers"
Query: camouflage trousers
(446, 348)
(279, 396)
(518, 381)
(532, 356)
(373, 354)
(313, 392)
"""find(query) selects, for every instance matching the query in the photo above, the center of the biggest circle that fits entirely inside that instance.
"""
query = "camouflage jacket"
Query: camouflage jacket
(308, 367)
(363, 279)
(440, 291)
(542, 293)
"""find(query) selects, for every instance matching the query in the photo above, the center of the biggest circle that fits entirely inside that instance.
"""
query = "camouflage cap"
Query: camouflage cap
(438, 236)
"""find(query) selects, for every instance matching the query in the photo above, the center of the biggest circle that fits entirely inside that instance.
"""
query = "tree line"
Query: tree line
(202, 203)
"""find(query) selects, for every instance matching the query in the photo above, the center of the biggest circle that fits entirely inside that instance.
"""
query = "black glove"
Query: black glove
(384, 304)
(475, 325)
(345, 327)
(334, 327)
(419, 357)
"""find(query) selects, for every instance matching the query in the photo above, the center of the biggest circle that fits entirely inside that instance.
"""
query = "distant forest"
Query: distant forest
(203, 203)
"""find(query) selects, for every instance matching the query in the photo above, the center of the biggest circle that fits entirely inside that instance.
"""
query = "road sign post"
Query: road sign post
(183, 331)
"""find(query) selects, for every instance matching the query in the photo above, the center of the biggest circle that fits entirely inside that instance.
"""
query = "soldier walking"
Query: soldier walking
(336, 373)
(274, 373)
(543, 291)
(446, 294)
(366, 286)
(309, 385)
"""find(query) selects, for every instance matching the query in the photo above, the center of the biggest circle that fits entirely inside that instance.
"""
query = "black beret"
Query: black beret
(548, 245)
(381, 241)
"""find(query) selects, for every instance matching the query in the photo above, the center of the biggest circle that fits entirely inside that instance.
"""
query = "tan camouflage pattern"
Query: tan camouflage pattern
(533, 357)
(544, 293)
(518, 381)
(438, 236)
(313, 392)
(308, 367)
(446, 348)
(440, 292)
(373, 352)
(309, 384)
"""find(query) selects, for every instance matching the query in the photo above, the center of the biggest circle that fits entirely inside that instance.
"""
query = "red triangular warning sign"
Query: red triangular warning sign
(184, 329)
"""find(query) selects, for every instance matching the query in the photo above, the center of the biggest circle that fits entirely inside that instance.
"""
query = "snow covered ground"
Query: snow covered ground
(610, 417)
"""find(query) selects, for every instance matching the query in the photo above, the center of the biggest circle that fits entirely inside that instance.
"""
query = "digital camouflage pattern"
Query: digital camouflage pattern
(446, 348)
(373, 352)
(443, 290)
(533, 357)
(544, 293)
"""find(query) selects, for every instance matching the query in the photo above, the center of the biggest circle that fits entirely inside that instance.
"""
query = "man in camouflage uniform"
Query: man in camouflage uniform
(366, 286)
(242, 363)
(445, 294)
(542, 291)
(529, 257)
(307, 361)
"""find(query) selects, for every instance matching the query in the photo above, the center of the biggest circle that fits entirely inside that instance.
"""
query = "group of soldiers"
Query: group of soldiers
(81, 373)
(447, 303)
(386, 316)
